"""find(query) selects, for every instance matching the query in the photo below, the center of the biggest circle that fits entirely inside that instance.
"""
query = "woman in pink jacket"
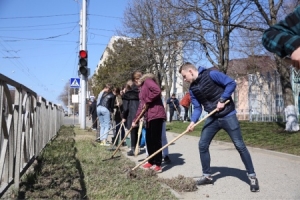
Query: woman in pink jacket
(150, 95)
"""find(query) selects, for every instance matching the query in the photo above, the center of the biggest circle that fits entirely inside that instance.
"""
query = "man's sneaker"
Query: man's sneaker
(147, 165)
(156, 168)
(204, 180)
(167, 160)
(130, 153)
(254, 187)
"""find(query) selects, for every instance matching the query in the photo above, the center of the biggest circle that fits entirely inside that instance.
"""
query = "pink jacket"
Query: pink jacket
(150, 94)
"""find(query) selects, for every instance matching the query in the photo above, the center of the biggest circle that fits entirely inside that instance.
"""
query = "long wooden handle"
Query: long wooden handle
(179, 136)
(137, 119)
(138, 139)
(118, 133)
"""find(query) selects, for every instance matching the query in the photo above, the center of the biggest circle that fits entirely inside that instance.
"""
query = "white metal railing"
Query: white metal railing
(27, 123)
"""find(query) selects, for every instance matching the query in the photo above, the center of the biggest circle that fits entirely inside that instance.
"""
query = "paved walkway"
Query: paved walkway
(278, 173)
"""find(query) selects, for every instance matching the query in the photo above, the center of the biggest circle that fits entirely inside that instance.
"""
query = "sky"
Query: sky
(39, 40)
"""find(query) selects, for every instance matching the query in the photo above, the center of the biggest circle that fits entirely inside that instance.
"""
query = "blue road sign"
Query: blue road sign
(75, 83)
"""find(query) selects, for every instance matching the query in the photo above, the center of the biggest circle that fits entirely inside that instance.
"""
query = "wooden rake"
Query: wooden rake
(137, 119)
(179, 136)
(90, 129)
(137, 147)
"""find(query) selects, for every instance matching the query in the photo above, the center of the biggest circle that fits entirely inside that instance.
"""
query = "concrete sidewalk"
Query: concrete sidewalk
(278, 173)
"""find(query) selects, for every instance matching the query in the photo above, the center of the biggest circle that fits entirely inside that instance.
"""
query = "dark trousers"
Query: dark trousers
(134, 137)
(118, 128)
(171, 110)
(186, 112)
(153, 140)
(95, 123)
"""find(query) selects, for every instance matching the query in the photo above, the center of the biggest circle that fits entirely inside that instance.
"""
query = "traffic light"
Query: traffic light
(83, 62)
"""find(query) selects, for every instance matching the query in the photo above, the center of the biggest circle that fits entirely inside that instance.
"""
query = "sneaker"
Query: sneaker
(156, 168)
(130, 153)
(147, 165)
(167, 160)
(204, 180)
(254, 187)
(104, 143)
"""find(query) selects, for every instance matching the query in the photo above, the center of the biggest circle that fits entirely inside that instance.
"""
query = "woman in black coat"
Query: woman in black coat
(130, 106)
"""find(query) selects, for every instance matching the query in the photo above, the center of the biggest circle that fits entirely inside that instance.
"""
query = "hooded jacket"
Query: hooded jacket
(150, 94)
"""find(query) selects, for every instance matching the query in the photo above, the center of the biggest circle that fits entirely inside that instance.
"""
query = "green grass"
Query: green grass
(72, 167)
(265, 135)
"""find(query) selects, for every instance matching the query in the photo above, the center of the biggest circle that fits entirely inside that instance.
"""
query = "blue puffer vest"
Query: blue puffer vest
(208, 93)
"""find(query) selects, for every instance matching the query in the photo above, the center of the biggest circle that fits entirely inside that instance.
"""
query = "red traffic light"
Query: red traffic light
(83, 54)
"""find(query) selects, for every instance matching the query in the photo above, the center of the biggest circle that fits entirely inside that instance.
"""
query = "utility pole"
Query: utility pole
(68, 102)
(83, 77)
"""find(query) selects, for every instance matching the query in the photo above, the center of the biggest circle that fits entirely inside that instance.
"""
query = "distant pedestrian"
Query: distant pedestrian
(93, 112)
(150, 96)
(185, 103)
(105, 108)
(173, 106)
(211, 89)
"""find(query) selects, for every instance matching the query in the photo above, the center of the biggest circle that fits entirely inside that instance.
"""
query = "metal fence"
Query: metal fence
(27, 123)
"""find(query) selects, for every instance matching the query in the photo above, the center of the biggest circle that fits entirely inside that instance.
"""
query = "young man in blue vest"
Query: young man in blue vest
(211, 89)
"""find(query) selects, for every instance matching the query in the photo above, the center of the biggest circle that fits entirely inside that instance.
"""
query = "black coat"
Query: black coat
(130, 105)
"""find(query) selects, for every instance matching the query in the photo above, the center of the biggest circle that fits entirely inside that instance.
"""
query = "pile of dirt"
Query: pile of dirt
(181, 183)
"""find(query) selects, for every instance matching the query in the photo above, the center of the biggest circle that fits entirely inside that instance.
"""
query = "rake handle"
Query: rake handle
(137, 119)
(179, 136)
(93, 123)
(118, 134)
(138, 139)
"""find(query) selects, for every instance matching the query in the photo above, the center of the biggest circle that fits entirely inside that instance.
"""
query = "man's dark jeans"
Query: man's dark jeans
(231, 125)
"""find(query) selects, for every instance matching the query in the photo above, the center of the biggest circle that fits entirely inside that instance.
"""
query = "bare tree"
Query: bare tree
(209, 24)
(154, 22)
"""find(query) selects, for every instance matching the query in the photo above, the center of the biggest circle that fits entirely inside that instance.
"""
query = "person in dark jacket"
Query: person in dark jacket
(118, 113)
(105, 107)
(93, 113)
(211, 89)
(130, 106)
(155, 115)
(173, 106)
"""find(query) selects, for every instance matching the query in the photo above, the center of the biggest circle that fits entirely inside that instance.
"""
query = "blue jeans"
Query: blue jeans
(231, 125)
(104, 119)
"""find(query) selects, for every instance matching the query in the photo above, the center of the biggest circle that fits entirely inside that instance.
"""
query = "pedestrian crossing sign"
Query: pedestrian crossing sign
(75, 83)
